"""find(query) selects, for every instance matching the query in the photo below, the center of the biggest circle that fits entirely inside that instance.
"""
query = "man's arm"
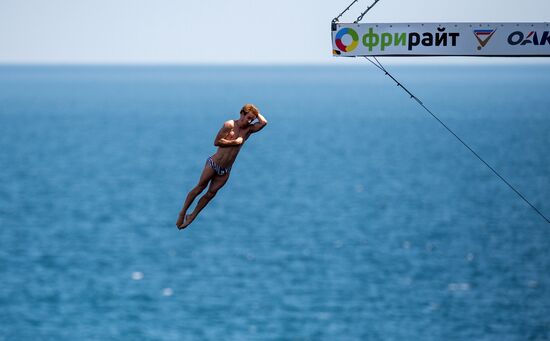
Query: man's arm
(256, 127)
(221, 141)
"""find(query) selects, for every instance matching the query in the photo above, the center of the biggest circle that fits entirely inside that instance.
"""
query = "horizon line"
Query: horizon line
(343, 62)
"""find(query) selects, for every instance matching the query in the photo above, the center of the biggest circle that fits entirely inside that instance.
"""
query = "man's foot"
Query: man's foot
(181, 218)
(188, 220)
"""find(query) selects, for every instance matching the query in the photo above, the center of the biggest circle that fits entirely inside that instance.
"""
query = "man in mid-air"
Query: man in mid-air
(229, 141)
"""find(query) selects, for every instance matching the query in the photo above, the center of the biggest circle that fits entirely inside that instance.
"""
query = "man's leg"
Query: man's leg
(217, 182)
(207, 174)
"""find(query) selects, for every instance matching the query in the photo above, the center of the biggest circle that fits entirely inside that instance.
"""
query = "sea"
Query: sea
(354, 215)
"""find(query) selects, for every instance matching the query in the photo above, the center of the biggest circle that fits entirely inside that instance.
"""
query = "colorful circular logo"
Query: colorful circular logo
(340, 44)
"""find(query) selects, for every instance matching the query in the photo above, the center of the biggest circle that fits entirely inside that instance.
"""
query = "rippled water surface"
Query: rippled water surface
(352, 216)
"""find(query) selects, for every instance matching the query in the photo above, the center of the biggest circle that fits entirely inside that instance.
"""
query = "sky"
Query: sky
(213, 31)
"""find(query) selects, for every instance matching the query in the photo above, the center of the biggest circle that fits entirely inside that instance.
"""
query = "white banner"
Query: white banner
(445, 39)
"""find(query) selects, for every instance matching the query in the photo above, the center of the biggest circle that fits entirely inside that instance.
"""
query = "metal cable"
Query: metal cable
(344, 11)
(359, 18)
(382, 68)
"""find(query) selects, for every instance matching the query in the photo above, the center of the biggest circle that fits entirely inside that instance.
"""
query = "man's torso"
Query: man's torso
(225, 156)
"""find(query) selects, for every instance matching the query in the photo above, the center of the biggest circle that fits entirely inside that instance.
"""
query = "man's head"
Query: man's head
(249, 113)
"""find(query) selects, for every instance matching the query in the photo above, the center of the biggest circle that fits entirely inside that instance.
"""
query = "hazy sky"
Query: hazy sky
(212, 31)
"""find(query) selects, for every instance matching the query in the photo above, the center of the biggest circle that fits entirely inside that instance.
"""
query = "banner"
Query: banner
(445, 39)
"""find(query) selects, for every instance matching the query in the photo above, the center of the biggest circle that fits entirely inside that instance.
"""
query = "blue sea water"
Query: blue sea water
(352, 216)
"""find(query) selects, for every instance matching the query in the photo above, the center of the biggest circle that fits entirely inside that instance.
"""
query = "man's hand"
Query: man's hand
(228, 143)
(221, 141)
(256, 127)
(225, 142)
